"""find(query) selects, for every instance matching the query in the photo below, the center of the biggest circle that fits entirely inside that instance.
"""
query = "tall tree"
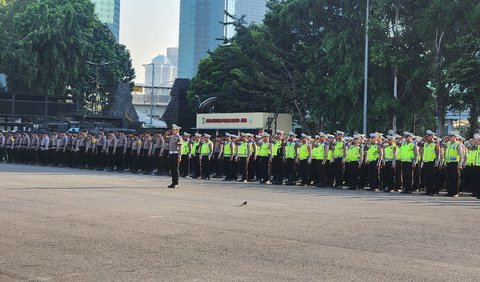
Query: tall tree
(45, 46)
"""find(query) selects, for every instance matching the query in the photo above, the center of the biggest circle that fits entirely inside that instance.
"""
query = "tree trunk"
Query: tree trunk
(473, 119)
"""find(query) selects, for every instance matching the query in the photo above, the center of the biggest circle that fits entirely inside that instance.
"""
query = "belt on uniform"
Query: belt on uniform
(173, 152)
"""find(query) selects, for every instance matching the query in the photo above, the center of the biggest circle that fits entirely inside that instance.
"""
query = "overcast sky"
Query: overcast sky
(147, 28)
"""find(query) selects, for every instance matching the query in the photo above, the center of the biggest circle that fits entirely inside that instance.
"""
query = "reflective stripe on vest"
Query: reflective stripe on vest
(429, 153)
(373, 153)
(389, 156)
(276, 146)
(338, 150)
(205, 149)
(290, 150)
(264, 150)
(243, 150)
(318, 152)
(407, 152)
(303, 152)
(353, 154)
(451, 154)
(227, 149)
(184, 148)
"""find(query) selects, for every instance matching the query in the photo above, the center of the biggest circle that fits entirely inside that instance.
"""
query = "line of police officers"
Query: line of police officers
(392, 163)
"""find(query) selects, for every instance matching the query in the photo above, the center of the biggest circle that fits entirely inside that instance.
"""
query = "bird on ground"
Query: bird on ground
(244, 204)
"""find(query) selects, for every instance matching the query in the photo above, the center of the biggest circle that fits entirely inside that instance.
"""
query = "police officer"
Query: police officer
(353, 162)
(277, 169)
(120, 151)
(304, 159)
(454, 158)
(429, 153)
(111, 151)
(195, 155)
(147, 147)
(243, 154)
(319, 156)
(186, 155)
(206, 156)
(339, 152)
(408, 152)
(135, 153)
(389, 164)
(174, 141)
(228, 155)
(265, 152)
(374, 160)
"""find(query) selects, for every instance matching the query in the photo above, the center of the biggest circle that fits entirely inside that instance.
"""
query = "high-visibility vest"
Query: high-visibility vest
(471, 158)
(205, 149)
(429, 153)
(303, 152)
(451, 154)
(195, 146)
(353, 154)
(290, 150)
(477, 162)
(243, 150)
(407, 151)
(330, 155)
(373, 153)
(276, 146)
(184, 148)
(227, 149)
(264, 150)
(389, 152)
(318, 152)
(338, 150)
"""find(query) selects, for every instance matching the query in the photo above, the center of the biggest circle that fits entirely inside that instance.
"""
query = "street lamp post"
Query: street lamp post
(152, 102)
(365, 89)
(97, 81)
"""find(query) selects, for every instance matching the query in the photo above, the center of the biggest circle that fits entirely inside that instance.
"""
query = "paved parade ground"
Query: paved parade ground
(60, 224)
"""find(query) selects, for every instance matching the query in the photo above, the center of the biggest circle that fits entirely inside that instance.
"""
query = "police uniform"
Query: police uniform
(243, 153)
(174, 151)
(408, 152)
(206, 154)
(454, 157)
(186, 155)
(290, 153)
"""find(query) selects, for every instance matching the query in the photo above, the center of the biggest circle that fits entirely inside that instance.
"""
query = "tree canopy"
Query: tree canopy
(46, 45)
(307, 58)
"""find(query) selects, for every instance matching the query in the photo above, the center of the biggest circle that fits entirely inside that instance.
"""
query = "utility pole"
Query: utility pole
(97, 80)
(152, 102)
(365, 89)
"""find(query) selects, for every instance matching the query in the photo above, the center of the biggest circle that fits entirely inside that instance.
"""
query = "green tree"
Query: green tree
(45, 46)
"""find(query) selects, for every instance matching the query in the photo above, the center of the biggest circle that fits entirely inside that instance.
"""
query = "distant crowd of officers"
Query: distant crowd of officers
(392, 163)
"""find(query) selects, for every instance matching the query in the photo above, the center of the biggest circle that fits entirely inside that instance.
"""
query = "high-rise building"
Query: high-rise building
(162, 71)
(200, 27)
(172, 55)
(253, 10)
(108, 11)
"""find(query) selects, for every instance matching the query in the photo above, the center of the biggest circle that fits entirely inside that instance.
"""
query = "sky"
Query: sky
(147, 28)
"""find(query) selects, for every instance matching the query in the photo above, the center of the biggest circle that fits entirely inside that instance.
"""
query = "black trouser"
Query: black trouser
(234, 169)
(227, 167)
(277, 169)
(290, 168)
(90, 156)
(398, 176)
(353, 174)
(173, 164)
(157, 161)
(317, 172)
(469, 179)
(44, 157)
(407, 176)
(100, 161)
(195, 166)
(389, 176)
(304, 170)
(128, 158)
(373, 175)
(264, 169)
(9, 155)
(452, 178)
(206, 167)
(146, 162)
(338, 172)
(120, 158)
(165, 163)
(135, 162)
(217, 164)
(429, 174)
(476, 190)
(111, 158)
(2, 154)
(252, 168)
(243, 168)
(184, 166)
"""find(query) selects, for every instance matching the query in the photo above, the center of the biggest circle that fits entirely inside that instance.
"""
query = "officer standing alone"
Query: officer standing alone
(174, 153)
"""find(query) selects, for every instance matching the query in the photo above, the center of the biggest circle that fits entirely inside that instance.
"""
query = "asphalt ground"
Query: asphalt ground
(61, 224)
